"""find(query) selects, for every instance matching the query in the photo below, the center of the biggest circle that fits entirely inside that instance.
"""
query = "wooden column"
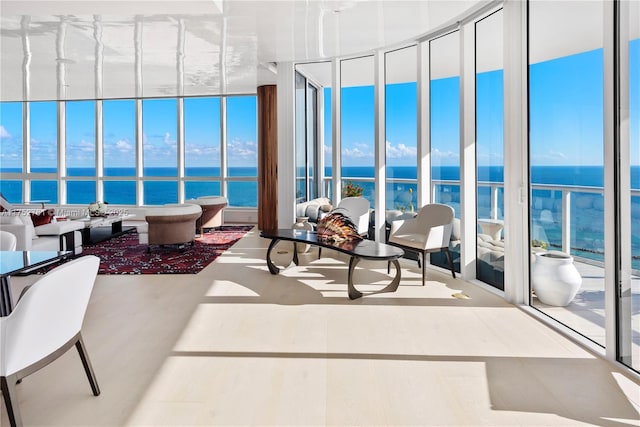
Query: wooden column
(267, 157)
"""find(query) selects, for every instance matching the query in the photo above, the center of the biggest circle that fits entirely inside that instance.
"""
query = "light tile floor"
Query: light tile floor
(235, 345)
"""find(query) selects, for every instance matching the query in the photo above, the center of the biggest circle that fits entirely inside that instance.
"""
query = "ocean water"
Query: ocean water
(587, 219)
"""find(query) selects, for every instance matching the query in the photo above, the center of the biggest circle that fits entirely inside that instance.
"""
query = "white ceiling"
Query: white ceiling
(87, 49)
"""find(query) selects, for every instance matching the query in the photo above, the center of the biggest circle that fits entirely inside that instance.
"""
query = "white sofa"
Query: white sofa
(314, 209)
(55, 236)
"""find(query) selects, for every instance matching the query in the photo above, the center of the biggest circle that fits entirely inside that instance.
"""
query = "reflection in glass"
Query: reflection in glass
(566, 146)
(489, 150)
(629, 321)
(444, 107)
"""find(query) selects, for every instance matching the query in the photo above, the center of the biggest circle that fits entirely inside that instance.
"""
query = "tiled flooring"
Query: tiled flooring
(235, 345)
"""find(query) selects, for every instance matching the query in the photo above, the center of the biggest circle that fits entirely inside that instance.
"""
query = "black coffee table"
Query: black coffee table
(356, 249)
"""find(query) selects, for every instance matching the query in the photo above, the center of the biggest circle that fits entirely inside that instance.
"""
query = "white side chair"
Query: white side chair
(357, 209)
(429, 231)
(8, 241)
(44, 324)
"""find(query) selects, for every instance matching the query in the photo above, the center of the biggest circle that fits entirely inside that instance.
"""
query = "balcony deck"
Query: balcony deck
(586, 313)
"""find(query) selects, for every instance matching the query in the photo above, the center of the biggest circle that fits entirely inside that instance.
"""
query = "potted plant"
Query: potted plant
(352, 189)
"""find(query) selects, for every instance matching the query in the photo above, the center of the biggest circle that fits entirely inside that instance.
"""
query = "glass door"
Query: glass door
(566, 164)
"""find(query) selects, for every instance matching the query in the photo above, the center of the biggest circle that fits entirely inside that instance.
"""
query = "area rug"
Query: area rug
(124, 255)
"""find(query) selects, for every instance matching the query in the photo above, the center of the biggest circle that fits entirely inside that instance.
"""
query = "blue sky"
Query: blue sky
(566, 123)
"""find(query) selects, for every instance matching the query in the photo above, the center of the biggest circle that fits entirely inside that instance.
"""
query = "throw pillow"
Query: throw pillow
(42, 218)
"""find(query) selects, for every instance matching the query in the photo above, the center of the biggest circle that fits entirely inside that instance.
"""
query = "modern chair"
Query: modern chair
(429, 231)
(44, 324)
(8, 241)
(357, 209)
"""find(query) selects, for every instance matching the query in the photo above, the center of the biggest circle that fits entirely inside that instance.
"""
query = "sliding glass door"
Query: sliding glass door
(566, 155)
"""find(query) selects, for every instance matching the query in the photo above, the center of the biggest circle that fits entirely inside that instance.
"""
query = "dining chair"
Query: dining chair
(429, 231)
(8, 241)
(45, 323)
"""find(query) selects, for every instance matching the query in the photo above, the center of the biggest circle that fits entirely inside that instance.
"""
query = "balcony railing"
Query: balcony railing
(551, 212)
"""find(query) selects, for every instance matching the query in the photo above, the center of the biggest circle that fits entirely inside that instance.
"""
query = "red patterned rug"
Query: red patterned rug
(124, 255)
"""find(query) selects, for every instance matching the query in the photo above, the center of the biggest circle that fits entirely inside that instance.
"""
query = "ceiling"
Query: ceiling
(104, 49)
(87, 49)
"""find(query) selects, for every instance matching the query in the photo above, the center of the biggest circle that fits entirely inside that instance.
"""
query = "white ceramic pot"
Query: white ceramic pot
(554, 278)
(302, 223)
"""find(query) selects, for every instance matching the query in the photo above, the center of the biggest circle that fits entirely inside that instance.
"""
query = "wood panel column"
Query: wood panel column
(267, 157)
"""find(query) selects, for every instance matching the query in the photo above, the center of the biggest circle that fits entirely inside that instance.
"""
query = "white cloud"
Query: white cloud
(355, 153)
(123, 145)
(400, 151)
(444, 155)
(4, 133)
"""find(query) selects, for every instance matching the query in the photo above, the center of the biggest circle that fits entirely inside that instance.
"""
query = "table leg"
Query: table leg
(354, 293)
(116, 227)
(272, 267)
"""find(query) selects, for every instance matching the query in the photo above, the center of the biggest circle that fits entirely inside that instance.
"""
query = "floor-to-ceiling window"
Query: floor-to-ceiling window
(119, 151)
(301, 139)
(566, 155)
(11, 154)
(202, 169)
(444, 107)
(490, 150)
(121, 179)
(357, 130)
(160, 154)
(401, 126)
(80, 153)
(628, 315)
(242, 151)
(43, 151)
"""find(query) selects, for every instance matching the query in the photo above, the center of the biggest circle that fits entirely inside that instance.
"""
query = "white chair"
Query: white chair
(44, 324)
(429, 231)
(8, 241)
(357, 209)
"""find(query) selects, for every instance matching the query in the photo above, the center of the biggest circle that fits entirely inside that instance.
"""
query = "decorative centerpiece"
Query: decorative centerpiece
(98, 209)
(337, 227)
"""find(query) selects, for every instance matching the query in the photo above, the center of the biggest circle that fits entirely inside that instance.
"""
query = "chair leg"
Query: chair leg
(319, 252)
(88, 369)
(424, 266)
(388, 267)
(8, 386)
(453, 271)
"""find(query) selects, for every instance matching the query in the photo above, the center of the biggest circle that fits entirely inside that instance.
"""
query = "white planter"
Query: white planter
(302, 223)
(554, 278)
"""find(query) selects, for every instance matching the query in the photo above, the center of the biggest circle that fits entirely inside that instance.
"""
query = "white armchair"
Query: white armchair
(429, 231)
(44, 324)
(357, 209)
